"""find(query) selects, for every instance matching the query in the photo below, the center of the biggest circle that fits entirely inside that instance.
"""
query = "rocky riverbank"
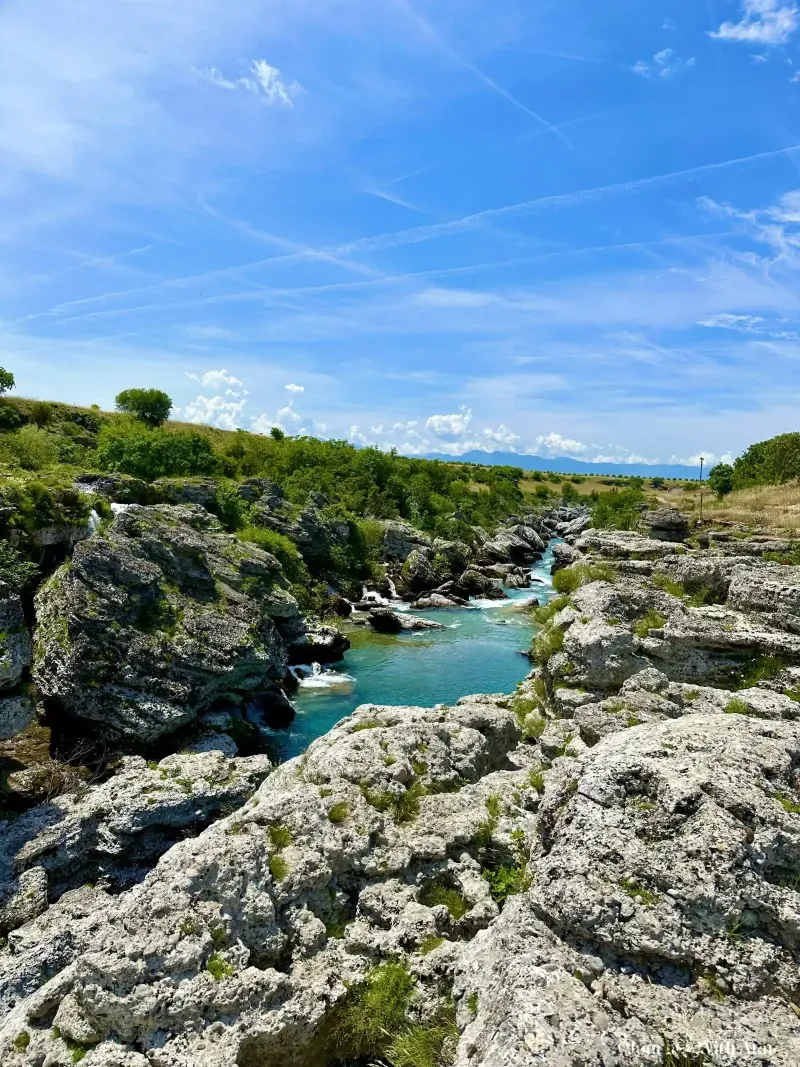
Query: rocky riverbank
(600, 868)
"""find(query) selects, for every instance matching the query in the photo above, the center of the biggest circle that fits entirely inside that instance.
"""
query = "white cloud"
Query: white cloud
(669, 24)
(765, 22)
(553, 444)
(292, 388)
(665, 64)
(262, 80)
(214, 411)
(450, 425)
(215, 379)
(502, 436)
(727, 321)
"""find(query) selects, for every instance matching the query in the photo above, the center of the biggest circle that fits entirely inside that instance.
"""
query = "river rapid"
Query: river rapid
(479, 651)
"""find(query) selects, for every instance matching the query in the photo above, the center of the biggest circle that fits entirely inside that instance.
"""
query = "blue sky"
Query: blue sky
(566, 228)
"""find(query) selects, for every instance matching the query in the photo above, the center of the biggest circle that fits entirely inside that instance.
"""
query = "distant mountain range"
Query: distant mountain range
(564, 465)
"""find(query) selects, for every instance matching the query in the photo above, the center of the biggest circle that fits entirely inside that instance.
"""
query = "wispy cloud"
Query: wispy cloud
(262, 80)
(769, 22)
(664, 64)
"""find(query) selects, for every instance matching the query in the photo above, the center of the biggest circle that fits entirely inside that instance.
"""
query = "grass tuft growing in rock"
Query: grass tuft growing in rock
(403, 807)
(279, 837)
(635, 890)
(736, 706)
(428, 944)
(653, 620)
(572, 578)
(426, 1044)
(278, 867)
(434, 893)
(368, 724)
(545, 612)
(787, 803)
(546, 643)
(759, 669)
(374, 1011)
(22, 1040)
(339, 812)
(218, 967)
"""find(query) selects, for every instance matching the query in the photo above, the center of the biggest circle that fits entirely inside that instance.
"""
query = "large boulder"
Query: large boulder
(15, 642)
(400, 539)
(154, 621)
(419, 575)
(319, 644)
(626, 544)
(666, 524)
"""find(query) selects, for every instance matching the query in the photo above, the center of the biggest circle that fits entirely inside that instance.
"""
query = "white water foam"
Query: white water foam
(315, 676)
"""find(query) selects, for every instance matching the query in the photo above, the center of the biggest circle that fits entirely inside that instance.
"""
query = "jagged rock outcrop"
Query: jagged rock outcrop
(155, 621)
(114, 832)
(400, 539)
(319, 644)
(314, 532)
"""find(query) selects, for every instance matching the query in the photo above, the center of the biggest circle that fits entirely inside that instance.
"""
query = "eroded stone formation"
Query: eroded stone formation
(599, 869)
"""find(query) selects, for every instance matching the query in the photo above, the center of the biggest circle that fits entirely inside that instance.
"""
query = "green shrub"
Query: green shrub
(231, 509)
(506, 881)
(31, 448)
(128, 447)
(720, 479)
(10, 418)
(635, 889)
(433, 893)
(23, 1039)
(545, 612)
(284, 550)
(403, 806)
(618, 509)
(759, 668)
(771, 462)
(569, 579)
(653, 620)
(278, 867)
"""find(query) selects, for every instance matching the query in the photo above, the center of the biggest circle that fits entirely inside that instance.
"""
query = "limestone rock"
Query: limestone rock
(386, 621)
(16, 712)
(666, 524)
(113, 832)
(155, 621)
(400, 539)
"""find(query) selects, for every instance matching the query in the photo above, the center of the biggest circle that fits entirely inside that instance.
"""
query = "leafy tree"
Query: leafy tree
(6, 380)
(720, 479)
(151, 406)
(277, 434)
(769, 462)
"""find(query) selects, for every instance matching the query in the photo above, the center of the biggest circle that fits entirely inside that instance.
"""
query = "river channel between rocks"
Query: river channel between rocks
(479, 651)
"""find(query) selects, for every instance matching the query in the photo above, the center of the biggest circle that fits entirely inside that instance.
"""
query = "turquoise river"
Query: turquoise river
(480, 651)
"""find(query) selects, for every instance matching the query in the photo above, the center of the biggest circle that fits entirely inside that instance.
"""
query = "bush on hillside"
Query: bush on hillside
(152, 406)
(16, 573)
(131, 448)
(31, 448)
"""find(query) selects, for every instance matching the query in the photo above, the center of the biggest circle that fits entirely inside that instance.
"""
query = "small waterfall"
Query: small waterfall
(118, 509)
(93, 523)
(392, 589)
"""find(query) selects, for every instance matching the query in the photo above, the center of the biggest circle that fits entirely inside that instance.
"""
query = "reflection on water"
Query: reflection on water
(477, 652)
